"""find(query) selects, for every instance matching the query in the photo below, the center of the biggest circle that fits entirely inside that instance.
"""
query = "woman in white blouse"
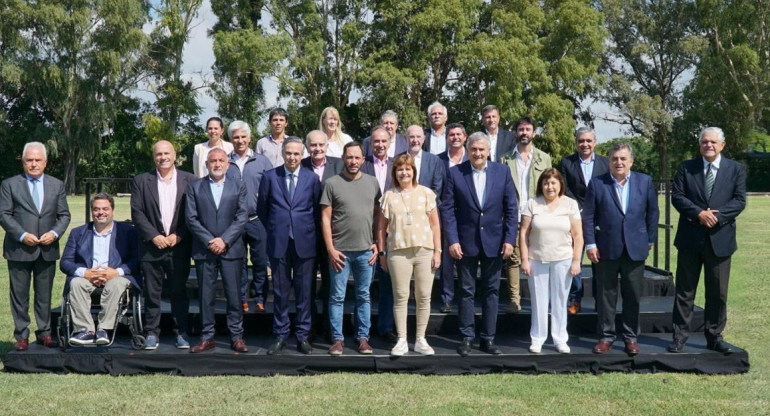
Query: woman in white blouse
(409, 224)
(331, 125)
(551, 244)
(214, 129)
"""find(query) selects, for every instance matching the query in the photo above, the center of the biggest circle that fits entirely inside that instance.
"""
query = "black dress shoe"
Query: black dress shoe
(276, 346)
(465, 347)
(304, 347)
(488, 346)
(676, 346)
(446, 308)
(720, 347)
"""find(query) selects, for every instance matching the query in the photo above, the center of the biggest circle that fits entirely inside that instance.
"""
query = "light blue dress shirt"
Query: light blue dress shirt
(40, 194)
(587, 167)
(101, 254)
(216, 190)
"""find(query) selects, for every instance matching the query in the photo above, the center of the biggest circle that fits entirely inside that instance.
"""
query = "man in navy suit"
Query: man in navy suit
(577, 170)
(100, 254)
(436, 135)
(709, 192)
(501, 140)
(620, 223)
(248, 166)
(216, 217)
(397, 144)
(288, 204)
(478, 196)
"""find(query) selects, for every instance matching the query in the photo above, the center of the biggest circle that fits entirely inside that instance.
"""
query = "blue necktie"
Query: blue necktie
(35, 194)
(291, 197)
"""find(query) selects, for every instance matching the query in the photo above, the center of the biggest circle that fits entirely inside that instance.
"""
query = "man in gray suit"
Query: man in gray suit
(34, 214)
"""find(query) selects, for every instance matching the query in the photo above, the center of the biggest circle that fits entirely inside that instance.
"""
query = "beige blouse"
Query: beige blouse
(549, 235)
(398, 207)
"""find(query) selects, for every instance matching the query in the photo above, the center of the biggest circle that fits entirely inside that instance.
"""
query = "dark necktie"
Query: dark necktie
(291, 197)
(709, 181)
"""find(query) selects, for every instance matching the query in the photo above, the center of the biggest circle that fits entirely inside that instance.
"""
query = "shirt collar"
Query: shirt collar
(317, 166)
(289, 173)
(106, 233)
(482, 170)
(593, 157)
(211, 181)
(235, 156)
(171, 179)
(715, 163)
(31, 179)
(379, 162)
(615, 181)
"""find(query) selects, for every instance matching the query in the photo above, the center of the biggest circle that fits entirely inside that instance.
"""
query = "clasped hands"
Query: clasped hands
(162, 242)
(100, 275)
(708, 218)
(44, 240)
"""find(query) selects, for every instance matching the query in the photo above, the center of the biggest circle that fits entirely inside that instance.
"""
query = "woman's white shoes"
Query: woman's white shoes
(401, 348)
(535, 349)
(421, 347)
(563, 348)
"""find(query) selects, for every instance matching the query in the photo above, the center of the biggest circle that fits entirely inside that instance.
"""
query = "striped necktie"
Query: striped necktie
(709, 181)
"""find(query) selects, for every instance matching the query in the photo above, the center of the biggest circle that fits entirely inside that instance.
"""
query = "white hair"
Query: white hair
(34, 144)
(238, 125)
(434, 105)
(717, 130)
(478, 136)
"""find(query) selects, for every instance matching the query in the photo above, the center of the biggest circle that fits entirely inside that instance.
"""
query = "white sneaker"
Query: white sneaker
(535, 349)
(421, 347)
(401, 348)
(563, 348)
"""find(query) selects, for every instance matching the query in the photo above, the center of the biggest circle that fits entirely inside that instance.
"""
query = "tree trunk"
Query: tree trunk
(70, 166)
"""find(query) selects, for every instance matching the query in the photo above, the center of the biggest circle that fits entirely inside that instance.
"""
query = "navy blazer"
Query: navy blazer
(688, 196)
(480, 230)
(302, 213)
(253, 170)
(206, 222)
(124, 252)
(402, 145)
(605, 225)
(333, 167)
(573, 175)
(368, 168)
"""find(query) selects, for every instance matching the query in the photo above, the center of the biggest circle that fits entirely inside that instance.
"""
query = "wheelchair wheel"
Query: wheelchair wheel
(138, 342)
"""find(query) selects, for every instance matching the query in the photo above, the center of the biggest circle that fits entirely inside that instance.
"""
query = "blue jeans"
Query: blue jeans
(357, 262)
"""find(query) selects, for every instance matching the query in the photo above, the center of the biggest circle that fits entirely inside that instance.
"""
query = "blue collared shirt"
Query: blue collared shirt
(40, 194)
(287, 179)
(101, 252)
(622, 191)
(216, 190)
(587, 167)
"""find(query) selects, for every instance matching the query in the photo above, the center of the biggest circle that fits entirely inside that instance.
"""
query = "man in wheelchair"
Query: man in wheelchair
(102, 254)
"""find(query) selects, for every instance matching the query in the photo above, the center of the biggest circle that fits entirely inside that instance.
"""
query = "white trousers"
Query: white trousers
(550, 281)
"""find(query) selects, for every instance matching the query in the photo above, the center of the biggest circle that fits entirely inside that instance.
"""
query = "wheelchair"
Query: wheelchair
(129, 313)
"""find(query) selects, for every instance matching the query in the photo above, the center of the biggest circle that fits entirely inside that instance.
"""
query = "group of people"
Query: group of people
(433, 203)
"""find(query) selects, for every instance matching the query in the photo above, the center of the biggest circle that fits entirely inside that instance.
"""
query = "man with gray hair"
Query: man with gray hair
(398, 143)
(435, 136)
(709, 192)
(248, 166)
(478, 196)
(34, 214)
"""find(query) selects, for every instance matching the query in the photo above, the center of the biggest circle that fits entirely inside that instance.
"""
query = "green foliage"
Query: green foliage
(758, 174)
(645, 154)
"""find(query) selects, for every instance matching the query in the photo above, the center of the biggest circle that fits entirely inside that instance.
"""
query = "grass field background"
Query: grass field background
(497, 394)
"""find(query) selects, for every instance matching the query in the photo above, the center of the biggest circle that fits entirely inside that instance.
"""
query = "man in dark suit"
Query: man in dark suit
(34, 214)
(324, 167)
(158, 212)
(430, 173)
(577, 170)
(478, 196)
(620, 224)
(248, 166)
(436, 135)
(397, 143)
(288, 203)
(709, 192)
(502, 141)
(100, 254)
(216, 216)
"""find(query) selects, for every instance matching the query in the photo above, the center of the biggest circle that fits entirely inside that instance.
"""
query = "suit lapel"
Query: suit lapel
(611, 189)
(114, 256)
(207, 192)
(87, 245)
(488, 185)
(26, 194)
(302, 180)
(471, 186)
(280, 173)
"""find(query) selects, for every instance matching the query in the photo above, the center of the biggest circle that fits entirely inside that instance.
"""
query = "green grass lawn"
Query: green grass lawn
(748, 313)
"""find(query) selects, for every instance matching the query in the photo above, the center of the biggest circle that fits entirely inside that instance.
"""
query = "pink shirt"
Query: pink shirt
(319, 170)
(381, 172)
(167, 200)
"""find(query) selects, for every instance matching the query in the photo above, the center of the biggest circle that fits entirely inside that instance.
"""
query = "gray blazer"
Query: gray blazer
(19, 215)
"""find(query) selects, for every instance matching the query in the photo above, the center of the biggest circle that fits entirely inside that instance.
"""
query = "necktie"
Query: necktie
(291, 187)
(35, 194)
(709, 181)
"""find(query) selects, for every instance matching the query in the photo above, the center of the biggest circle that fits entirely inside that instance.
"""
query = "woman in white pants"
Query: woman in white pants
(551, 248)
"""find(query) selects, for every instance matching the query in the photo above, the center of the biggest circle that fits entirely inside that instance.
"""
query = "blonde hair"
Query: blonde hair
(337, 135)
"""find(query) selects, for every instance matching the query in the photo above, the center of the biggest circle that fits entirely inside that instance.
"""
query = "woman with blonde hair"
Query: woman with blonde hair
(331, 124)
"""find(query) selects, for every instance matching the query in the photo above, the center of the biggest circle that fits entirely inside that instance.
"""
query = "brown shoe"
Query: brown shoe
(47, 341)
(21, 345)
(245, 306)
(632, 348)
(513, 307)
(203, 345)
(336, 348)
(259, 307)
(602, 347)
(574, 308)
(239, 346)
(364, 347)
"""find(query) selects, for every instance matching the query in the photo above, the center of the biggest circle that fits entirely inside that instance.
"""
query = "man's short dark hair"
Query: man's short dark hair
(348, 145)
(489, 108)
(221, 123)
(103, 195)
(524, 120)
(456, 126)
(278, 111)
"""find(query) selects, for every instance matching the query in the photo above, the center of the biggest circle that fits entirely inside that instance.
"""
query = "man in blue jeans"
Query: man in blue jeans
(349, 209)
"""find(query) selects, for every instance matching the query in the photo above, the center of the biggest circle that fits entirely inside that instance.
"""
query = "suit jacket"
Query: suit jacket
(431, 173)
(444, 157)
(402, 145)
(426, 143)
(124, 251)
(573, 175)
(688, 196)
(206, 222)
(145, 215)
(252, 174)
(605, 225)
(505, 143)
(540, 162)
(18, 215)
(368, 168)
(479, 230)
(278, 213)
(333, 167)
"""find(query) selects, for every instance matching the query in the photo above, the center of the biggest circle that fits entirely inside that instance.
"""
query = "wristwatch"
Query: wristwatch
(383, 253)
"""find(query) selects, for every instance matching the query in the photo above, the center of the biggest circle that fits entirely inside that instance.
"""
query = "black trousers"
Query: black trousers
(631, 280)
(207, 272)
(255, 238)
(176, 271)
(490, 287)
(716, 272)
(40, 273)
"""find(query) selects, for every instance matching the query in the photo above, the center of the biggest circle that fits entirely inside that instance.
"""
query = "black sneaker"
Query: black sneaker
(82, 338)
(102, 338)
